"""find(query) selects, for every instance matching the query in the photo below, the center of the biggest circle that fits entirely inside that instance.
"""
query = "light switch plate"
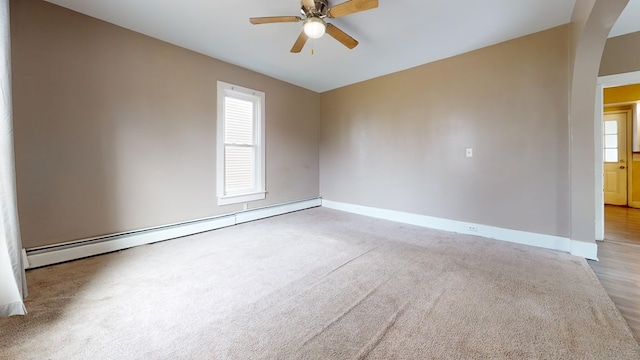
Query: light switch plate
(469, 152)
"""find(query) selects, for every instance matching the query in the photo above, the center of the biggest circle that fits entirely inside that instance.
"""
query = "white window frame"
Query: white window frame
(258, 98)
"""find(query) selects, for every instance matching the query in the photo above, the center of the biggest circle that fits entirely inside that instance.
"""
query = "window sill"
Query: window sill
(236, 199)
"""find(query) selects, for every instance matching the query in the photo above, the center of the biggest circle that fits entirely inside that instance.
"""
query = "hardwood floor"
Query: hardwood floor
(622, 224)
(619, 265)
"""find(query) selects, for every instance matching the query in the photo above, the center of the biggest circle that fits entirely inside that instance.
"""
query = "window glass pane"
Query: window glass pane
(238, 127)
(611, 141)
(239, 168)
(611, 155)
(611, 127)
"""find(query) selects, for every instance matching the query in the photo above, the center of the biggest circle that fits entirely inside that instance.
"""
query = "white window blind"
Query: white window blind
(239, 149)
(240, 144)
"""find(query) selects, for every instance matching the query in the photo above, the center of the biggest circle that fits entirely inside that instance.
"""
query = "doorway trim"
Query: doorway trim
(605, 82)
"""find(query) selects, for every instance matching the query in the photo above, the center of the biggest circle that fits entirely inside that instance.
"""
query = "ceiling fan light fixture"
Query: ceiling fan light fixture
(314, 27)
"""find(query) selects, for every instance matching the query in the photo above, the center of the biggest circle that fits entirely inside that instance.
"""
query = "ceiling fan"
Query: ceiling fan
(314, 13)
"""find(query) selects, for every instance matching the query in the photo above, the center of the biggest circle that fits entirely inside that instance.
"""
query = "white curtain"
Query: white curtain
(12, 280)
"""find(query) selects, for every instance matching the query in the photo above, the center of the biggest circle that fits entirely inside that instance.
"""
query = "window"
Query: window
(240, 144)
(611, 141)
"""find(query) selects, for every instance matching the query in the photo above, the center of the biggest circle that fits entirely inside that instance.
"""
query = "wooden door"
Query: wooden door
(615, 158)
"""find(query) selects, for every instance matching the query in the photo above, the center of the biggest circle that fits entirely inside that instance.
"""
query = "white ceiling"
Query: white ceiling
(629, 20)
(399, 34)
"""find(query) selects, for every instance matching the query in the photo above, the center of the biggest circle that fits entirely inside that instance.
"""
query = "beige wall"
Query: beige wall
(621, 55)
(115, 131)
(398, 142)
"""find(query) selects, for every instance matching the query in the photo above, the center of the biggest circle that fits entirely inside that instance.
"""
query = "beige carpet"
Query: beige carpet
(320, 284)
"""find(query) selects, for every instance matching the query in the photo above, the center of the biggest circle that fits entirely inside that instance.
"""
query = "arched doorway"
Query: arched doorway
(590, 26)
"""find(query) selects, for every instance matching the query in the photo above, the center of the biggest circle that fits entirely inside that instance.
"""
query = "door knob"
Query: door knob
(622, 167)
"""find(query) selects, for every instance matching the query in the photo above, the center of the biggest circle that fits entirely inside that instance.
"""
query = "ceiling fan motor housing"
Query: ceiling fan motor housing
(321, 8)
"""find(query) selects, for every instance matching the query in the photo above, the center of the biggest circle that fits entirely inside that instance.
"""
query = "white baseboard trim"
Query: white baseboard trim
(578, 248)
(48, 255)
(584, 249)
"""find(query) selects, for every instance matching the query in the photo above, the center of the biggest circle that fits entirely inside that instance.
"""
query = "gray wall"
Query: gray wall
(621, 55)
(116, 131)
(398, 142)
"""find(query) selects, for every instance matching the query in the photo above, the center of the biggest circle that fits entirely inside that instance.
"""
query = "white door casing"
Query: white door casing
(604, 82)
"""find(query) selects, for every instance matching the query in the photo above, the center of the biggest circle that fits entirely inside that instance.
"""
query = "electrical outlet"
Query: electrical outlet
(472, 228)
(469, 152)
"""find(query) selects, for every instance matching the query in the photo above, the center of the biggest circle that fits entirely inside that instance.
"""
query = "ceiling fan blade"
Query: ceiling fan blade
(274, 19)
(309, 4)
(350, 7)
(341, 36)
(299, 44)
